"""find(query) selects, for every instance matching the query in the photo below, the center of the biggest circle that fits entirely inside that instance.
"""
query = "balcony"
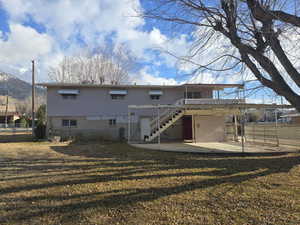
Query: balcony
(210, 101)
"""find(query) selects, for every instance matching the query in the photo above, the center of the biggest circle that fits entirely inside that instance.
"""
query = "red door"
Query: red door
(187, 128)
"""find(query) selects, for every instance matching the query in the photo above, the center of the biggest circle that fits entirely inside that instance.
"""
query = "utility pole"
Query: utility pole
(6, 110)
(6, 104)
(32, 99)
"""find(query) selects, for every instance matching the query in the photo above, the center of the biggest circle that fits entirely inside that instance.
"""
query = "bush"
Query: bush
(23, 122)
(40, 131)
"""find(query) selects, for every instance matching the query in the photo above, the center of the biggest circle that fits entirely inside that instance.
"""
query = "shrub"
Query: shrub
(40, 131)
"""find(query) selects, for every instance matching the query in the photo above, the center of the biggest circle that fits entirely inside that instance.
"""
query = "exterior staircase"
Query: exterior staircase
(159, 125)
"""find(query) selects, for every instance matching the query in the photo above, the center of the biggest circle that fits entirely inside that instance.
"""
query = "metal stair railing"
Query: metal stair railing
(165, 122)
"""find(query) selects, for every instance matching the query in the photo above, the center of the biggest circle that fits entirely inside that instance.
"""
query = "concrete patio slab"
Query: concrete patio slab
(211, 147)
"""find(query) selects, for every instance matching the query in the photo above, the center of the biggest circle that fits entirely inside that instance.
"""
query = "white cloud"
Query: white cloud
(205, 78)
(91, 21)
(144, 77)
(23, 44)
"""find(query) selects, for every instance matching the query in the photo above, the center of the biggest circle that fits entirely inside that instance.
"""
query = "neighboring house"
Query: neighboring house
(293, 118)
(140, 112)
(10, 117)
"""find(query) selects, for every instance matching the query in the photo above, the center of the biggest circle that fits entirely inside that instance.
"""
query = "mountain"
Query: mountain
(17, 88)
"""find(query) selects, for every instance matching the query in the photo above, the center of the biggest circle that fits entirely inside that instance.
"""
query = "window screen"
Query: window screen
(69, 123)
(69, 96)
(155, 97)
(117, 96)
(112, 122)
(192, 94)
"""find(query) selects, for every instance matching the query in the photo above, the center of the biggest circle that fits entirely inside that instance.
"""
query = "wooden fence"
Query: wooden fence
(267, 134)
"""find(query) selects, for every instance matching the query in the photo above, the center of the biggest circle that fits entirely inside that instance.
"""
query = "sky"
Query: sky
(48, 30)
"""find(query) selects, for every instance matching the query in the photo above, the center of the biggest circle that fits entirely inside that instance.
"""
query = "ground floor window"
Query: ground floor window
(69, 123)
(112, 122)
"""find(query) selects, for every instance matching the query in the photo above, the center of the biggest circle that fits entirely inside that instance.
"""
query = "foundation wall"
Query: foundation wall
(90, 129)
(101, 129)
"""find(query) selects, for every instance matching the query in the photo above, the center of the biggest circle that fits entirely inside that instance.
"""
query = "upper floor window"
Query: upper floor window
(68, 93)
(155, 94)
(68, 96)
(155, 97)
(118, 94)
(192, 94)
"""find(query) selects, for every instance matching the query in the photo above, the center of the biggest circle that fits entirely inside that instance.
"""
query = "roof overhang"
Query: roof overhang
(291, 115)
(214, 86)
(129, 86)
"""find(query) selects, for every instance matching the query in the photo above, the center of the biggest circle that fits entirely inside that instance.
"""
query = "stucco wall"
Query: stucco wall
(97, 101)
(209, 128)
(87, 128)
(102, 129)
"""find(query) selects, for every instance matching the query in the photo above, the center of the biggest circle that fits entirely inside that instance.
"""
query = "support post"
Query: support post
(32, 99)
(128, 126)
(236, 135)
(243, 131)
(186, 95)
(6, 108)
(194, 128)
(158, 124)
(276, 128)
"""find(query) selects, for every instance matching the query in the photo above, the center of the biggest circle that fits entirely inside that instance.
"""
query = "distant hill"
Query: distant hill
(17, 88)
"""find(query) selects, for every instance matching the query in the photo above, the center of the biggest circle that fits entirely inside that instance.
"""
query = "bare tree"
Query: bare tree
(261, 36)
(102, 65)
(24, 107)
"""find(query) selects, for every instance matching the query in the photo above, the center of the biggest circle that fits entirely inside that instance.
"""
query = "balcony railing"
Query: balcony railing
(209, 101)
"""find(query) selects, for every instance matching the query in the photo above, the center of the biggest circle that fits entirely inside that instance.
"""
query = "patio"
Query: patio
(212, 147)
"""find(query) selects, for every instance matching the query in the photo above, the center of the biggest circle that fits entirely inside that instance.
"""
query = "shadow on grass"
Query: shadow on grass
(115, 158)
(15, 137)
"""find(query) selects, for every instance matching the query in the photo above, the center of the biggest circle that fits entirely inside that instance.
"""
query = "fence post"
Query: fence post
(276, 128)
(264, 133)
(235, 129)
(253, 133)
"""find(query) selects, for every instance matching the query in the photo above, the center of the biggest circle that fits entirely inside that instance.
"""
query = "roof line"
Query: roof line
(221, 86)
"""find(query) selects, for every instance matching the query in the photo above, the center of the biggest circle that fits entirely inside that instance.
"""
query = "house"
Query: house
(293, 118)
(141, 113)
(9, 117)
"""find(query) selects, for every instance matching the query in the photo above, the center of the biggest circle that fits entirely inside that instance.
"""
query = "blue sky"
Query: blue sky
(47, 30)
(64, 27)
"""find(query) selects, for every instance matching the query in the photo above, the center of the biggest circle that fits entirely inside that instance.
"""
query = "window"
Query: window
(69, 96)
(192, 94)
(155, 97)
(155, 94)
(117, 96)
(69, 123)
(73, 123)
(112, 122)
(65, 123)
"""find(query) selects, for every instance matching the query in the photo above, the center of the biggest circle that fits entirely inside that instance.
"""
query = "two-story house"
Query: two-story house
(141, 113)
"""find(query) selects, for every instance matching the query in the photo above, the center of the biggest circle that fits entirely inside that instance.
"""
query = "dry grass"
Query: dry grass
(46, 183)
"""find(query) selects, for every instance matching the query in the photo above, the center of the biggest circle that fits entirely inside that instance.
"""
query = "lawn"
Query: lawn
(104, 183)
